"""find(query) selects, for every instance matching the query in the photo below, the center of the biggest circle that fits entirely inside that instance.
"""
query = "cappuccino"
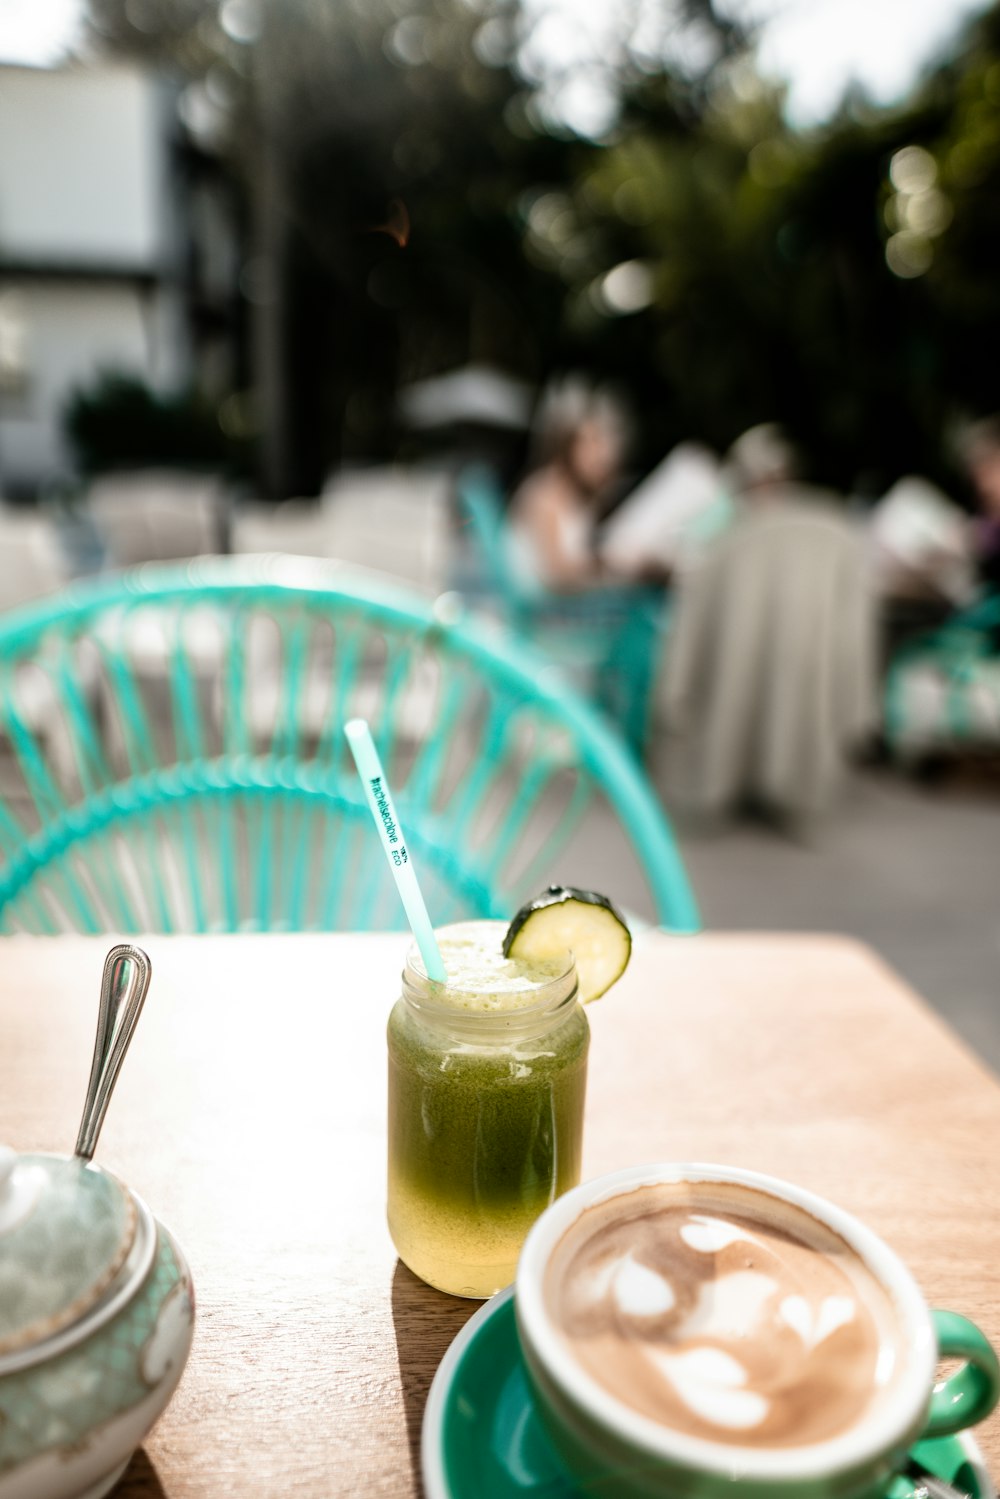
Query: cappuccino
(724, 1313)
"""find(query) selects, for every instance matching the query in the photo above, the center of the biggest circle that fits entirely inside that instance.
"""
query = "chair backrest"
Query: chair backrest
(481, 505)
(182, 766)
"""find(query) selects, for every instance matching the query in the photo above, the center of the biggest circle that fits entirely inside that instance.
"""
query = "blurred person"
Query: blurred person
(979, 449)
(690, 498)
(604, 624)
(942, 695)
(762, 463)
(921, 545)
(671, 514)
(763, 467)
(769, 678)
(581, 438)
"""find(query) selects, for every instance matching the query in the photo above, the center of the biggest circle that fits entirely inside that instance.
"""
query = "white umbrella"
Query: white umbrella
(474, 393)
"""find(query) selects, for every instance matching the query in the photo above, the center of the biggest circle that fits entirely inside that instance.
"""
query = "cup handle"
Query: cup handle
(966, 1397)
(969, 1394)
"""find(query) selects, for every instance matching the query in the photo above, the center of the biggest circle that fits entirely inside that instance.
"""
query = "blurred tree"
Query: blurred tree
(957, 215)
(390, 154)
(117, 421)
(426, 189)
(841, 280)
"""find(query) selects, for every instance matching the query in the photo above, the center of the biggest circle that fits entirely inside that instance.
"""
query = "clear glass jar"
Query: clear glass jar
(486, 1095)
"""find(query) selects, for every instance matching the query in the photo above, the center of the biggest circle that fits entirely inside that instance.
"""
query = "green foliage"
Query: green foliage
(791, 280)
(721, 266)
(118, 422)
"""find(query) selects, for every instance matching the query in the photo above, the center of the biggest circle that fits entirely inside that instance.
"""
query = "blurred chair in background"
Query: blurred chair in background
(31, 566)
(769, 679)
(159, 515)
(220, 816)
(391, 518)
(300, 528)
(605, 640)
(942, 691)
(394, 519)
(31, 561)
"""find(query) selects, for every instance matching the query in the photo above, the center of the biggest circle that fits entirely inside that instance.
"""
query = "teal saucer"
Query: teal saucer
(481, 1434)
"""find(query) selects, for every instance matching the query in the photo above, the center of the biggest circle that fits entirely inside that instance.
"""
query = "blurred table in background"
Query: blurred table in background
(159, 515)
(250, 1115)
(392, 518)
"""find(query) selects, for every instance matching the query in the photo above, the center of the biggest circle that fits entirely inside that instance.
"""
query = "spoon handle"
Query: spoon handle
(127, 972)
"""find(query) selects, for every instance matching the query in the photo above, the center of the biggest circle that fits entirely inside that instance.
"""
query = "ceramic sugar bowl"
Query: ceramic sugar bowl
(96, 1304)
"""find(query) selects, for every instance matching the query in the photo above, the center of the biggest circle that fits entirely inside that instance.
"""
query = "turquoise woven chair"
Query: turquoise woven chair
(942, 690)
(180, 763)
(609, 636)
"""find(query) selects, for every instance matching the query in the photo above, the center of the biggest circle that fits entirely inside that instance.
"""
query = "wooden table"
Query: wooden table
(250, 1115)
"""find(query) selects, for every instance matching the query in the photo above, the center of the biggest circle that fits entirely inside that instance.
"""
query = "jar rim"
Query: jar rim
(422, 992)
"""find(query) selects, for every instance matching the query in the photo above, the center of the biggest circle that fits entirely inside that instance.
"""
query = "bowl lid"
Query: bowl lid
(66, 1228)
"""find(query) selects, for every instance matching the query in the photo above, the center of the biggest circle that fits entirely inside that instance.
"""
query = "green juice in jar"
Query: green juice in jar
(487, 1076)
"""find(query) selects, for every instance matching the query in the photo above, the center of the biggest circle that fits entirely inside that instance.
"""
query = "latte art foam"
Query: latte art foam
(724, 1313)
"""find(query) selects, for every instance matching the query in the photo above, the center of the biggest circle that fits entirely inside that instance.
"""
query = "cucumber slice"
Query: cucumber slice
(577, 921)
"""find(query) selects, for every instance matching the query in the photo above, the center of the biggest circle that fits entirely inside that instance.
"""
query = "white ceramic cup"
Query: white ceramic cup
(619, 1453)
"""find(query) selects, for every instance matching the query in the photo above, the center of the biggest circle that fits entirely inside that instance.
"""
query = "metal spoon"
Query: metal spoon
(127, 971)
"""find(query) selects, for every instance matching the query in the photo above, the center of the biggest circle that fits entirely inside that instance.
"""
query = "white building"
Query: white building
(96, 251)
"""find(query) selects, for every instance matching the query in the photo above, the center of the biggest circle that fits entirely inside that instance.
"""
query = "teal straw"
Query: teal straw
(359, 737)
